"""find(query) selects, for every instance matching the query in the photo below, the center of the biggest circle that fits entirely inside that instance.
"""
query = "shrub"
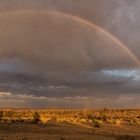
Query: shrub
(24, 138)
(97, 123)
(90, 117)
(36, 117)
(117, 122)
(62, 138)
(104, 117)
(53, 119)
(28, 121)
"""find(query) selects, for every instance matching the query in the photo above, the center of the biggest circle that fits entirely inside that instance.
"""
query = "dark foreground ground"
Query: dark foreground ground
(66, 131)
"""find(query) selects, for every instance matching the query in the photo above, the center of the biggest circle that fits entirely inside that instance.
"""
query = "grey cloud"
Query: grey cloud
(46, 42)
(120, 17)
(97, 84)
(14, 100)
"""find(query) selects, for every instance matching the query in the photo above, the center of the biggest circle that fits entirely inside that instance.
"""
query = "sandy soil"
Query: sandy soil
(68, 132)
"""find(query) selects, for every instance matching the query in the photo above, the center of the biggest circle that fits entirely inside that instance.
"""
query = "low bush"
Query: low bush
(97, 123)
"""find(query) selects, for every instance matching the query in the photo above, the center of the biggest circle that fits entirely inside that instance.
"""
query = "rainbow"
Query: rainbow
(88, 23)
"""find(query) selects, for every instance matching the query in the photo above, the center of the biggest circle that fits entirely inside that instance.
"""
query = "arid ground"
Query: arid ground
(103, 124)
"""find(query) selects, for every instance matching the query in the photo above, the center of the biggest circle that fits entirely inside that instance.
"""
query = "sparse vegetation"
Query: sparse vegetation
(66, 121)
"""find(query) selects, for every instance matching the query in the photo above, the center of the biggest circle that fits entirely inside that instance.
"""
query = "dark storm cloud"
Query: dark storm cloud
(96, 84)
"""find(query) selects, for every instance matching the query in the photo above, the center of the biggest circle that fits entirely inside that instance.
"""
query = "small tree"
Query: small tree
(36, 117)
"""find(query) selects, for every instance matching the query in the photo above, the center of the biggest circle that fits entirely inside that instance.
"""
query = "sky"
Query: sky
(69, 53)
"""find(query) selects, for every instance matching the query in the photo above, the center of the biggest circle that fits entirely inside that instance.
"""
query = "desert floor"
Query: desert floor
(65, 131)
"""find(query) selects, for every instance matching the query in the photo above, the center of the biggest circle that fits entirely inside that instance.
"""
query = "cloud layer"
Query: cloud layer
(31, 101)
(56, 58)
